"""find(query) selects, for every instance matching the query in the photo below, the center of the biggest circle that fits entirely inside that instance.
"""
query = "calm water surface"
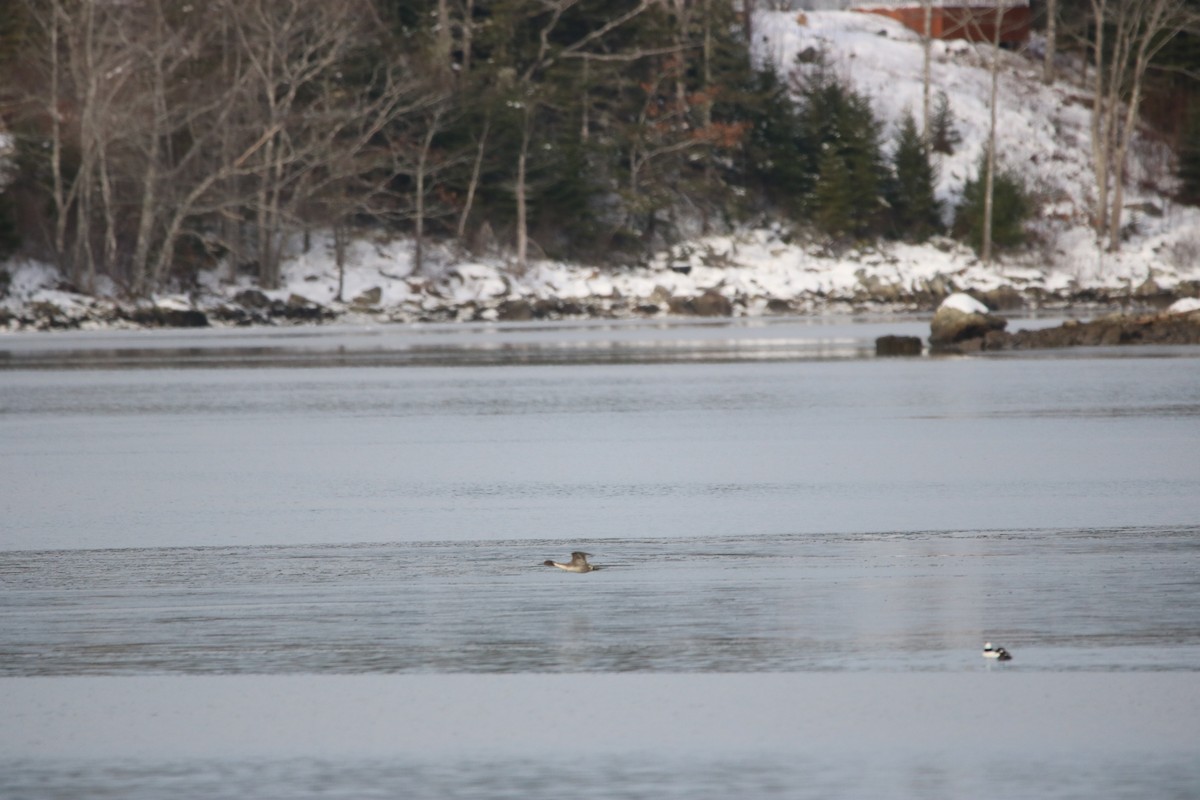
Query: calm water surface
(629, 777)
(1115, 599)
(764, 497)
(317, 454)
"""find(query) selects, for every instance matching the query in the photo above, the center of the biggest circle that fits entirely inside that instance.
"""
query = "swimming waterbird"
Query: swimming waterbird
(578, 563)
(998, 653)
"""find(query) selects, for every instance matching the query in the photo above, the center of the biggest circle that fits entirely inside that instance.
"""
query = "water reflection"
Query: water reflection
(477, 355)
(628, 342)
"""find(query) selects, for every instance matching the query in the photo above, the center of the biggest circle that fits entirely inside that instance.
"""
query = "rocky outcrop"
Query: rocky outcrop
(961, 324)
(368, 299)
(709, 304)
(167, 317)
(524, 310)
(252, 299)
(1117, 329)
(898, 346)
(45, 315)
(956, 331)
(253, 307)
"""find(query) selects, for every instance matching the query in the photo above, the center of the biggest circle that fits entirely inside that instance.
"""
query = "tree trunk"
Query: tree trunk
(340, 241)
(443, 43)
(81, 247)
(56, 140)
(468, 30)
(90, 146)
(706, 117)
(522, 213)
(476, 168)
(108, 204)
(419, 191)
(990, 181)
(926, 71)
(1118, 172)
(1155, 26)
(149, 199)
(261, 222)
(1100, 119)
(1051, 42)
(585, 104)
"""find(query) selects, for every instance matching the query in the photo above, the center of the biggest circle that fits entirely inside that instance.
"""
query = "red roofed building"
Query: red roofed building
(974, 20)
(976, 23)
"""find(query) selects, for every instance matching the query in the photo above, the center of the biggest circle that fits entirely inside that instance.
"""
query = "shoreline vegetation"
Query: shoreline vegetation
(778, 174)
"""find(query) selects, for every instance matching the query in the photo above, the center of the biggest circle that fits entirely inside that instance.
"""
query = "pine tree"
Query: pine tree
(541, 127)
(833, 199)
(839, 124)
(1011, 206)
(618, 131)
(869, 173)
(943, 136)
(915, 210)
(776, 149)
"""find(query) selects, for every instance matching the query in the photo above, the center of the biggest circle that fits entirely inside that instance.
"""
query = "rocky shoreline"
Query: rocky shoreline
(251, 307)
(963, 325)
(964, 320)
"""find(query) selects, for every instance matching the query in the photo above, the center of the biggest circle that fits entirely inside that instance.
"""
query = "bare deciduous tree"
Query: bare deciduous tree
(85, 72)
(220, 132)
(528, 91)
(1139, 29)
(989, 186)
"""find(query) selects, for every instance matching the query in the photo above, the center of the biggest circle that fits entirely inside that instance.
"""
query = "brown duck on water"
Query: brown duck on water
(578, 563)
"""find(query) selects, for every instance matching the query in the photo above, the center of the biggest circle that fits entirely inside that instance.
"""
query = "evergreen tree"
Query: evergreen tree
(776, 150)
(532, 100)
(833, 199)
(1011, 206)
(943, 136)
(838, 123)
(915, 211)
(567, 222)
(620, 129)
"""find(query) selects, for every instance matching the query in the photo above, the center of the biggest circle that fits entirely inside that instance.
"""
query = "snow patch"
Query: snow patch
(1184, 305)
(173, 303)
(964, 303)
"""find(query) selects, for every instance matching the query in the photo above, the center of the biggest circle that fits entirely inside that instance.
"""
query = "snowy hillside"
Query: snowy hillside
(1043, 135)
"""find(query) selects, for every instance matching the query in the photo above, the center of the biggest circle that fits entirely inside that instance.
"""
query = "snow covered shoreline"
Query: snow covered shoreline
(756, 274)
(763, 269)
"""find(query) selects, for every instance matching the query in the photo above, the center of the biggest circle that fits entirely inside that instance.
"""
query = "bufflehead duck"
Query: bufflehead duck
(578, 563)
(998, 653)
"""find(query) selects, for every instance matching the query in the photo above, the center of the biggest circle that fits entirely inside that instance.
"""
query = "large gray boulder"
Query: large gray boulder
(962, 323)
